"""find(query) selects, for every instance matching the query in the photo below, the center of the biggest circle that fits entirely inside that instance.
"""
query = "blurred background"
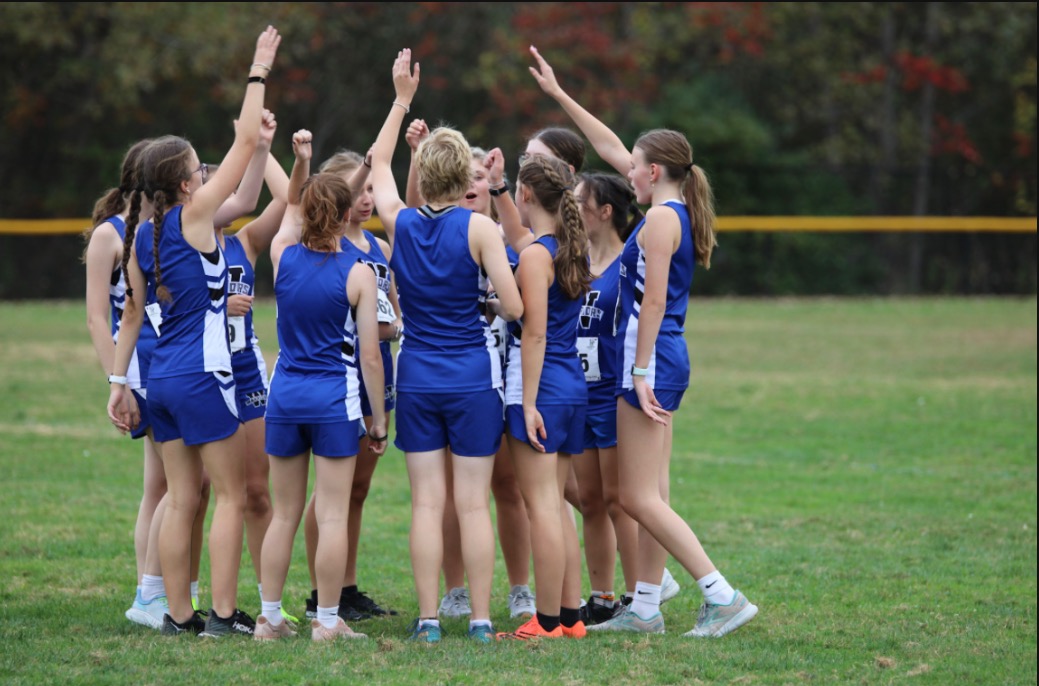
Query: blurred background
(795, 110)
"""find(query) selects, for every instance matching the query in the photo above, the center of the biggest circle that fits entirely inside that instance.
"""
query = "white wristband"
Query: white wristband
(112, 378)
(639, 371)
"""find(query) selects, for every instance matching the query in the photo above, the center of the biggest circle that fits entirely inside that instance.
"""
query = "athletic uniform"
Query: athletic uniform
(376, 260)
(191, 389)
(506, 334)
(597, 349)
(250, 370)
(669, 361)
(562, 396)
(448, 371)
(313, 403)
(137, 372)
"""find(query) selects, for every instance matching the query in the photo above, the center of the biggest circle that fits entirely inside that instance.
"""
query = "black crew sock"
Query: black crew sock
(569, 616)
(548, 622)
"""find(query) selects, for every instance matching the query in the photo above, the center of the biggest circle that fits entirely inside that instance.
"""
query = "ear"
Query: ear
(606, 211)
(654, 172)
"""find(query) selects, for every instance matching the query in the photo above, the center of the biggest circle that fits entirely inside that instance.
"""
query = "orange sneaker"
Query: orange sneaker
(576, 631)
(532, 630)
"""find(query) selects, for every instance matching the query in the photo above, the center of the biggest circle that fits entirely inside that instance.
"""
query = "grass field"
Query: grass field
(864, 470)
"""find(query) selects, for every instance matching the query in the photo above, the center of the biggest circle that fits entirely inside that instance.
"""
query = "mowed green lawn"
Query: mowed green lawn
(864, 470)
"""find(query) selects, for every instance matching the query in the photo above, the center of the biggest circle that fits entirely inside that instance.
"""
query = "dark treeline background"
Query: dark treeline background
(792, 109)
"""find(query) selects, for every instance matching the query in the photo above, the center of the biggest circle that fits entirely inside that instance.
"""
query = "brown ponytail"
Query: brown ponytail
(551, 182)
(159, 201)
(131, 229)
(114, 200)
(325, 200)
(672, 151)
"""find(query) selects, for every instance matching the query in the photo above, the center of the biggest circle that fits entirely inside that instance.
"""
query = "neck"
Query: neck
(354, 232)
(542, 223)
(667, 191)
(604, 246)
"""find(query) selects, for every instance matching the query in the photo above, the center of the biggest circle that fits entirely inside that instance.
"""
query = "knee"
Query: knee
(634, 505)
(592, 505)
(257, 499)
(359, 492)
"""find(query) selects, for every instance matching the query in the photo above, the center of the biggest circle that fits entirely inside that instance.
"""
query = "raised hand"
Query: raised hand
(416, 133)
(494, 163)
(544, 75)
(268, 125)
(267, 47)
(405, 80)
(301, 145)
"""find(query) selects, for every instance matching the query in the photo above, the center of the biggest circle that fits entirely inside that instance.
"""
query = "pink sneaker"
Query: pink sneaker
(265, 631)
(318, 632)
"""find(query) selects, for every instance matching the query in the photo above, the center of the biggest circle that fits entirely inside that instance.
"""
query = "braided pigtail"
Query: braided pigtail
(132, 219)
(159, 201)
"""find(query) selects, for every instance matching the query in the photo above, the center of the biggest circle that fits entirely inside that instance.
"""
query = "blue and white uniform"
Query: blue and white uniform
(669, 361)
(562, 396)
(250, 369)
(191, 389)
(506, 334)
(448, 370)
(597, 349)
(377, 262)
(313, 402)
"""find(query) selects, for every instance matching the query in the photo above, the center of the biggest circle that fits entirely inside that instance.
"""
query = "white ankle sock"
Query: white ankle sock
(272, 611)
(328, 616)
(647, 600)
(479, 622)
(194, 591)
(716, 590)
(152, 588)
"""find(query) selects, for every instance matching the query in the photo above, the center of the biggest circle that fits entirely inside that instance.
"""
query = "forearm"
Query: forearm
(375, 383)
(517, 235)
(651, 314)
(101, 337)
(605, 142)
(129, 332)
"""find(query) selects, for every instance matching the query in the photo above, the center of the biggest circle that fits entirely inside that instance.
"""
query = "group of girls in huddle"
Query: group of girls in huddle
(540, 338)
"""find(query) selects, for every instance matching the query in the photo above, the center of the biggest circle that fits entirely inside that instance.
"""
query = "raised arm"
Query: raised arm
(292, 221)
(517, 235)
(243, 201)
(387, 197)
(258, 234)
(360, 176)
(197, 218)
(416, 133)
(604, 140)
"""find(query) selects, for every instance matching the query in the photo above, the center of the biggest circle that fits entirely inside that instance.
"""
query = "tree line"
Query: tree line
(792, 109)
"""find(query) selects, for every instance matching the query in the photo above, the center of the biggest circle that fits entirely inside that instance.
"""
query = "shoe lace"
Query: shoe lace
(702, 614)
(523, 596)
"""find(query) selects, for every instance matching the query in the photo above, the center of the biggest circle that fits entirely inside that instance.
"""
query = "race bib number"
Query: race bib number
(154, 312)
(588, 353)
(386, 315)
(236, 333)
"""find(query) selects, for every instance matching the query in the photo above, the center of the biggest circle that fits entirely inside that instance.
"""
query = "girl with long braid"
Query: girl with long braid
(191, 386)
(546, 393)
(657, 266)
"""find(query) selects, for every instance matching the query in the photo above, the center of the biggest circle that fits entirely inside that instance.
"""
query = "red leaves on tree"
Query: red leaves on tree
(951, 138)
(918, 70)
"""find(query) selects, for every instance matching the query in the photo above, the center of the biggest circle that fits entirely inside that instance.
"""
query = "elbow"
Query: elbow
(511, 314)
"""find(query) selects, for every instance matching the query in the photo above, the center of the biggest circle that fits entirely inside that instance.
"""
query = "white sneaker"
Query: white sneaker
(669, 588)
(455, 603)
(148, 614)
(521, 602)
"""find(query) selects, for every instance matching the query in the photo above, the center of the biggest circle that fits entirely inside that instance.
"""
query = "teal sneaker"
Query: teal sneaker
(424, 632)
(714, 621)
(483, 633)
(627, 620)
(148, 614)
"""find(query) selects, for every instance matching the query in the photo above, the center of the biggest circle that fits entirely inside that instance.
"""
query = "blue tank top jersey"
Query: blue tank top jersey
(117, 284)
(447, 345)
(597, 339)
(377, 262)
(241, 280)
(315, 378)
(669, 361)
(194, 323)
(562, 378)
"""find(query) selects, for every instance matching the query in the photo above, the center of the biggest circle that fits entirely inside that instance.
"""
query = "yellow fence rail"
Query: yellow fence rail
(44, 227)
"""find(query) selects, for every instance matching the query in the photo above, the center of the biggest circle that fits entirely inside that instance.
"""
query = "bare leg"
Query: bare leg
(539, 482)
(154, 490)
(428, 493)
(454, 566)
(472, 501)
(289, 480)
(625, 528)
(643, 464)
(600, 543)
(310, 538)
(225, 464)
(258, 511)
(198, 526)
(363, 473)
(184, 478)
(333, 479)
(513, 525)
(571, 584)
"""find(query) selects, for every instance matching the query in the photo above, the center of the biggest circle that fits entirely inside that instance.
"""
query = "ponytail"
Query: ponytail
(699, 198)
(132, 218)
(159, 200)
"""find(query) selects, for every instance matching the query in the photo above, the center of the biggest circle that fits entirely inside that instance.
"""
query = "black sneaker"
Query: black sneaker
(238, 623)
(595, 611)
(311, 612)
(360, 602)
(195, 625)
